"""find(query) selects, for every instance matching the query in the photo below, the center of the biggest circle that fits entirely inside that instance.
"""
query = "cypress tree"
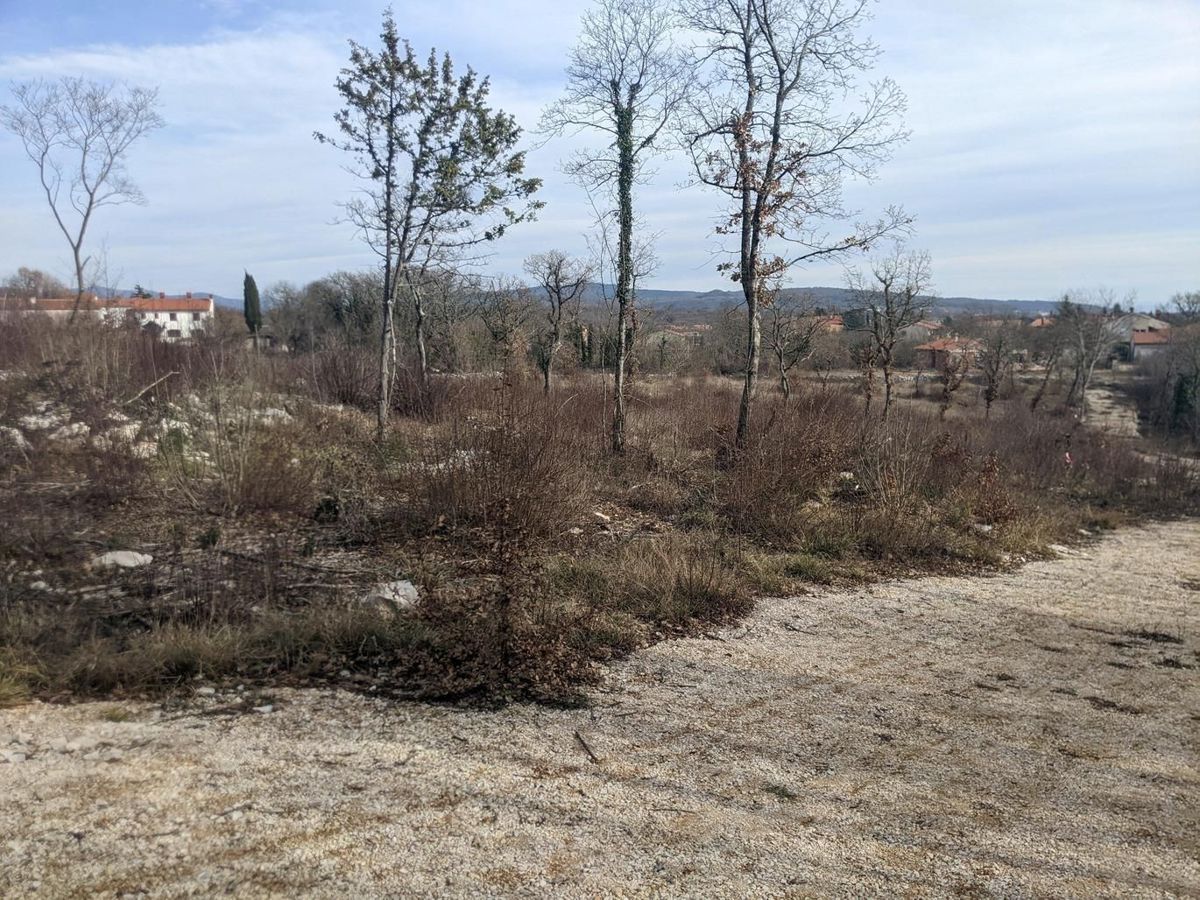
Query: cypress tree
(250, 305)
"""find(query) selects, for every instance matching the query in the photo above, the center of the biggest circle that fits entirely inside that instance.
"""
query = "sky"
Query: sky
(1055, 143)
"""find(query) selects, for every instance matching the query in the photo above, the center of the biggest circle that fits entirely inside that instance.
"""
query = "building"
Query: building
(1125, 326)
(1144, 344)
(923, 330)
(941, 353)
(172, 318)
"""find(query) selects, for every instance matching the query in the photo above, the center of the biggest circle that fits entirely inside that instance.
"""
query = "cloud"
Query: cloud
(1055, 143)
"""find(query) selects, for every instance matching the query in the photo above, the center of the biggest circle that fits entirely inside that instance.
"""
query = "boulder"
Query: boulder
(41, 421)
(121, 559)
(11, 437)
(391, 596)
(72, 431)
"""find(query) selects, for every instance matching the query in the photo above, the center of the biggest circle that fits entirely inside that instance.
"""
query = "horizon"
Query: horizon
(1017, 171)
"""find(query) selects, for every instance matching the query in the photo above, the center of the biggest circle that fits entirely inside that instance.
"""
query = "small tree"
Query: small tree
(626, 81)
(251, 308)
(1089, 322)
(78, 134)
(995, 361)
(769, 135)
(563, 281)
(891, 299)
(440, 167)
(954, 372)
(505, 309)
(792, 331)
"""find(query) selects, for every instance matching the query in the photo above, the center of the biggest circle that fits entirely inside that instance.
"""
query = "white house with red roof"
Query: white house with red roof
(173, 318)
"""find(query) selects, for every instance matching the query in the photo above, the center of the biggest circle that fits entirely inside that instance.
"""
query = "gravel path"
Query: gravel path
(1028, 734)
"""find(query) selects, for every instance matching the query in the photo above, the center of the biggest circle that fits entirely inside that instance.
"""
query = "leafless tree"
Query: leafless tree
(1187, 306)
(953, 374)
(33, 283)
(1089, 322)
(892, 298)
(625, 80)
(563, 281)
(792, 331)
(78, 134)
(767, 133)
(995, 360)
(505, 308)
(1047, 348)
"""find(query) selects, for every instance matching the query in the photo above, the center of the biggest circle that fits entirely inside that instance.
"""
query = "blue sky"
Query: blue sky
(1056, 143)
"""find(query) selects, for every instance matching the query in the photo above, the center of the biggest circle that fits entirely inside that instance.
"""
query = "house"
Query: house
(1042, 322)
(1125, 326)
(920, 331)
(943, 352)
(1144, 344)
(172, 318)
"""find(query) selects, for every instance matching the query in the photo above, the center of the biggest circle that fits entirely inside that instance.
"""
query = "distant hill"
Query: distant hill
(829, 297)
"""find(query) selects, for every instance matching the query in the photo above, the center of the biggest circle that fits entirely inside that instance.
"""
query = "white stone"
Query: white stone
(41, 421)
(391, 596)
(270, 414)
(601, 517)
(13, 438)
(126, 432)
(70, 432)
(264, 709)
(982, 529)
(121, 559)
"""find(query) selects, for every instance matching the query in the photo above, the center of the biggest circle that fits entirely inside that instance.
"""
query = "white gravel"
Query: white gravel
(983, 736)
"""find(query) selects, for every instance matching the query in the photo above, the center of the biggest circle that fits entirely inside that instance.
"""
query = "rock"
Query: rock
(205, 691)
(121, 559)
(143, 449)
(264, 709)
(83, 745)
(73, 431)
(112, 755)
(392, 596)
(12, 756)
(42, 421)
(601, 517)
(11, 437)
(1061, 550)
(59, 745)
(575, 531)
(983, 529)
(271, 414)
(124, 433)
(39, 586)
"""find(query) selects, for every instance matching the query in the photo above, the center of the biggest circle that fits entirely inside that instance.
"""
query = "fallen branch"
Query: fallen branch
(586, 749)
(147, 388)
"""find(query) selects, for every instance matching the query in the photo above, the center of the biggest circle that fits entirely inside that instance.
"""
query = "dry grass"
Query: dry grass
(269, 511)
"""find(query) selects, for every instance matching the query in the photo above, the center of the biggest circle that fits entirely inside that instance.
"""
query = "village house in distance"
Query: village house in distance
(173, 318)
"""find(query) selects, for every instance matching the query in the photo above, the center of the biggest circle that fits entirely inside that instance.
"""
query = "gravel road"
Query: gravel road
(1032, 733)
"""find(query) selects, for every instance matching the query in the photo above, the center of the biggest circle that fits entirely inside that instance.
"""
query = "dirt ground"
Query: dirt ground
(1032, 733)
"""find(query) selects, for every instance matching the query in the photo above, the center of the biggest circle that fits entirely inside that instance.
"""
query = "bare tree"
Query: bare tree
(1089, 322)
(505, 308)
(1187, 306)
(953, 374)
(995, 361)
(891, 298)
(563, 281)
(440, 170)
(78, 134)
(33, 283)
(792, 331)
(1047, 347)
(626, 81)
(767, 133)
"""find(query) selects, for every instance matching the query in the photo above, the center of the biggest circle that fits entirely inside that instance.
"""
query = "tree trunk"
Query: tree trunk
(419, 316)
(887, 387)
(753, 356)
(80, 265)
(624, 267)
(385, 358)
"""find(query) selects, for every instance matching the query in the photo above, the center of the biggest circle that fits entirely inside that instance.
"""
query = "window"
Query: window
(172, 317)
(174, 332)
(195, 317)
